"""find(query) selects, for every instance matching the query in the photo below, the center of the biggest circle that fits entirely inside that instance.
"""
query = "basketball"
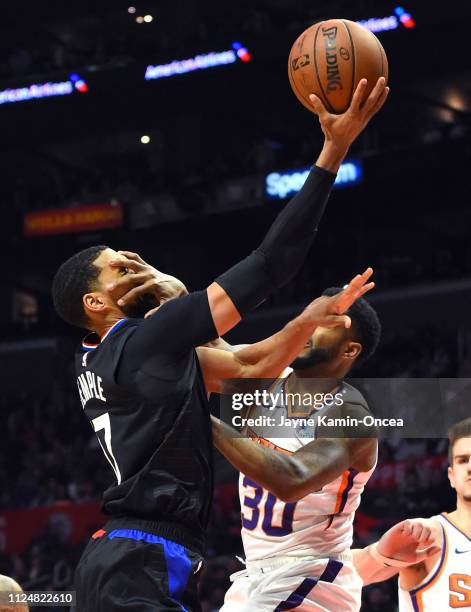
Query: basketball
(330, 58)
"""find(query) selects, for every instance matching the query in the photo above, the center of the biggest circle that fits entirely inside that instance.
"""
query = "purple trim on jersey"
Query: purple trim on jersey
(297, 597)
(331, 571)
(457, 528)
(415, 604)
(414, 592)
(351, 476)
(90, 347)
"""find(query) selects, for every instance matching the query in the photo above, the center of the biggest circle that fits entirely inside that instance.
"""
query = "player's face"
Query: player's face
(325, 345)
(109, 274)
(460, 472)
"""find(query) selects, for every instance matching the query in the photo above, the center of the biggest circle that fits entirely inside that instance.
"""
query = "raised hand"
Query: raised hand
(342, 130)
(357, 287)
(328, 311)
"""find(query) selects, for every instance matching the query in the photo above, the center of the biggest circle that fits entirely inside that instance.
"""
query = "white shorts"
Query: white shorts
(307, 584)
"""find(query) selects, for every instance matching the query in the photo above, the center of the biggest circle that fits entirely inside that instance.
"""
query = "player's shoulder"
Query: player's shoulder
(351, 404)
(92, 346)
(353, 397)
(348, 417)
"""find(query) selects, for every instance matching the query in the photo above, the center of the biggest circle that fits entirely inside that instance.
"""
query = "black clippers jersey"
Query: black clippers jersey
(160, 448)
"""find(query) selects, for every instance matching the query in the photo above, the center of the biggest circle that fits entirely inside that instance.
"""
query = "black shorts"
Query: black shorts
(129, 566)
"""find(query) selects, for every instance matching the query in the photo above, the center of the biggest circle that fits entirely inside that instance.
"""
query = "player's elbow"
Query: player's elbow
(295, 484)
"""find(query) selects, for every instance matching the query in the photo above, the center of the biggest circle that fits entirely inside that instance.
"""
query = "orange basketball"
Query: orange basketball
(329, 59)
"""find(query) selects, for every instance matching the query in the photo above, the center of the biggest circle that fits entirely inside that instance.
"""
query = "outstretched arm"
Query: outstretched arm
(404, 549)
(287, 242)
(268, 358)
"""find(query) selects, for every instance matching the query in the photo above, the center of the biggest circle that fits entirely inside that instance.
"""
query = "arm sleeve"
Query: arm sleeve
(178, 326)
(284, 248)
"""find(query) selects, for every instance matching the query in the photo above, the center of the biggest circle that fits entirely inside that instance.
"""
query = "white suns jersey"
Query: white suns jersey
(320, 524)
(448, 586)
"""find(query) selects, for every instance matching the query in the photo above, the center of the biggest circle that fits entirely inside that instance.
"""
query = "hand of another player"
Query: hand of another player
(143, 279)
(412, 540)
(327, 311)
(342, 130)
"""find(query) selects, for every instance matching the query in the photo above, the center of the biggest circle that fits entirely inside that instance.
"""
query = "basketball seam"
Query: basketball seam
(294, 85)
(353, 60)
(328, 105)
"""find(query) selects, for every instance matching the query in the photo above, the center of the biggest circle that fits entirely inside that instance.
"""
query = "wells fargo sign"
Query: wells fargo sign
(67, 220)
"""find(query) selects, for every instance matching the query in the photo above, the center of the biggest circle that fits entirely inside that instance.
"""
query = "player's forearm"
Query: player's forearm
(369, 569)
(268, 468)
(288, 477)
(269, 357)
(223, 345)
(284, 248)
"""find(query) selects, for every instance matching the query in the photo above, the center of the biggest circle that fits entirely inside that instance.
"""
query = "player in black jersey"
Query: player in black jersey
(144, 389)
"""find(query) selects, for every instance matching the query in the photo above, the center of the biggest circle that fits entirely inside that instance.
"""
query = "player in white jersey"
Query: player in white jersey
(300, 487)
(441, 581)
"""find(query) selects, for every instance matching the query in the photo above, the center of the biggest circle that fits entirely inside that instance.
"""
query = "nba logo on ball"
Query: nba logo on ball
(300, 62)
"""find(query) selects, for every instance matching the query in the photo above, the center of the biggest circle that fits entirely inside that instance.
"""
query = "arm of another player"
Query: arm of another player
(406, 549)
(268, 358)
(291, 477)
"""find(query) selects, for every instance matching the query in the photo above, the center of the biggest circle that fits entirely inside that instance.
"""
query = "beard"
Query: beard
(315, 357)
(138, 309)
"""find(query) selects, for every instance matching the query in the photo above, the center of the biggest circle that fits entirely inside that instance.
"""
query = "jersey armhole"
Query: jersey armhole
(433, 576)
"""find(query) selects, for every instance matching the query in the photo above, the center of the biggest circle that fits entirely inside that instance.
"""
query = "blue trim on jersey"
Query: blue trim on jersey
(176, 556)
(88, 348)
(297, 597)
(111, 331)
(113, 328)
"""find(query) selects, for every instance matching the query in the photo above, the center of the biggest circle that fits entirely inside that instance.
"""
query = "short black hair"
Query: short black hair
(366, 327)
(73, 279)
(455, 433)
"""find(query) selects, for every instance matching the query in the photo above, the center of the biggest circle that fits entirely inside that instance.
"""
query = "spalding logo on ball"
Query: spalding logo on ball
(330, 58)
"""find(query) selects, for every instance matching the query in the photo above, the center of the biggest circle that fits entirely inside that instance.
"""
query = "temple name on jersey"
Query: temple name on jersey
(89, 386)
